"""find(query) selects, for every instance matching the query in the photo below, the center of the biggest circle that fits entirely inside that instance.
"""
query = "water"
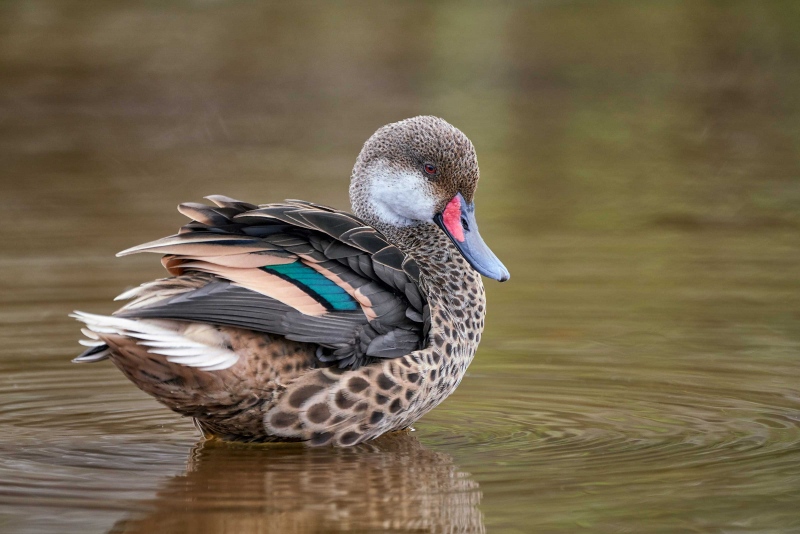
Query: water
(639, 373)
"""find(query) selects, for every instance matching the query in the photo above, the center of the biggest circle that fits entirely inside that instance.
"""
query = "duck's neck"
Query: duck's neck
(457, 305)
(448, 280)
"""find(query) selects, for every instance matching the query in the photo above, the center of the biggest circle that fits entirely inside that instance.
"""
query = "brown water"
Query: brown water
(641, 180)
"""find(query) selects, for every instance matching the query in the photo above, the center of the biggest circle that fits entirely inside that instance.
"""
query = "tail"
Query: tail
(169, 341)
(97, 351)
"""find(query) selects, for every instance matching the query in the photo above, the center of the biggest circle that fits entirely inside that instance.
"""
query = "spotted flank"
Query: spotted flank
(323, 290)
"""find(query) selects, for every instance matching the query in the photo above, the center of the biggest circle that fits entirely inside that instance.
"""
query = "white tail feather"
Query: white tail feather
(159, 339)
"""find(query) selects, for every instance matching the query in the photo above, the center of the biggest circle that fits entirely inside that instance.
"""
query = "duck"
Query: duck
(295, 321)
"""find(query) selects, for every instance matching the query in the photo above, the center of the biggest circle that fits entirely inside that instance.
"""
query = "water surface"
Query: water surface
(641, 180)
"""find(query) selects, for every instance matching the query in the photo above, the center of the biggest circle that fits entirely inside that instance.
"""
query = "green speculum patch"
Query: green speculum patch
(325, 291)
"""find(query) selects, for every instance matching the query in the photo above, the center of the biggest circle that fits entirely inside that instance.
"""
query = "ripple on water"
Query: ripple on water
(593, 433)
(69, 446)
(89, 441)
(83, 438)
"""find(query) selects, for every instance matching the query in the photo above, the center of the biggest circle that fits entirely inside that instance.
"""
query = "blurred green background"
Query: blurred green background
(640, 179)
(598, 116)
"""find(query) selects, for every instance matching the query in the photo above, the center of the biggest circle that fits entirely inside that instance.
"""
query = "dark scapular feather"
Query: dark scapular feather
(393, 316)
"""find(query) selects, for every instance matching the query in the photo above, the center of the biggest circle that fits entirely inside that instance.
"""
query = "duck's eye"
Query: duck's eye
(430, 168)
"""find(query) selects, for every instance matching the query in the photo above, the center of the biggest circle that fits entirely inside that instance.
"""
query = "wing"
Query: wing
(300, 270)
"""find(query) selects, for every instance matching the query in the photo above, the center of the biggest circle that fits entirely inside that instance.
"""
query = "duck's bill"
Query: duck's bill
(458, 222)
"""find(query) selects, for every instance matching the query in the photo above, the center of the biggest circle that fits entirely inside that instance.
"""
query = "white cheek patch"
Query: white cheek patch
(400, 198)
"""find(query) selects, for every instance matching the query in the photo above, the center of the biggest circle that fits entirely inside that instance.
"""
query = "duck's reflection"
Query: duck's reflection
(392, 484)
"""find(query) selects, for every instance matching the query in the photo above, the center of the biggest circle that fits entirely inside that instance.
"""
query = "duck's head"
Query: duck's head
(423, 171)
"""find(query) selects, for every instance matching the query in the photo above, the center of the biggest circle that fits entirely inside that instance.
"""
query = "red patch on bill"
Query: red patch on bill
(452, 219)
